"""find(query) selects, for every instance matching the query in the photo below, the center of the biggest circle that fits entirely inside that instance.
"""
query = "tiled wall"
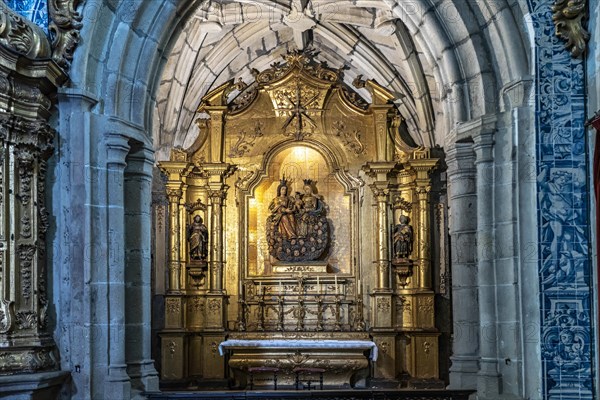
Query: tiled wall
(563, 215)
(34, 10)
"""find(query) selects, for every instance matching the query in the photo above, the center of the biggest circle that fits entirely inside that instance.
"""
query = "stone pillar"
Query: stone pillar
(463, 227)
(138, 226)
(118, 381)
(489, 377)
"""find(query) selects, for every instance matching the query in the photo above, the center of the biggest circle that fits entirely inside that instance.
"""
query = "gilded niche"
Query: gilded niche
(297, 229)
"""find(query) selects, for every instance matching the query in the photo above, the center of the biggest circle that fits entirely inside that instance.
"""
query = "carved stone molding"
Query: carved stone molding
(65, 24)
(568, 16)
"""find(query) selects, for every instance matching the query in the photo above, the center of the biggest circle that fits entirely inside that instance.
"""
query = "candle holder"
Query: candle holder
(261, 312)
(280, 314)
(241, 321)
(338, 313)
(360, 325)
(300, 314)
(320, 313)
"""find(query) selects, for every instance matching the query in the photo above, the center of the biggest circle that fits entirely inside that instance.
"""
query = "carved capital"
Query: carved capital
(423, 191)
(219, 195)
(380, 192)
(174, 195)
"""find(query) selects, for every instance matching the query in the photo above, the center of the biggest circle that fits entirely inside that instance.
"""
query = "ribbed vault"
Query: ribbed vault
(446, 60)
(436, 58)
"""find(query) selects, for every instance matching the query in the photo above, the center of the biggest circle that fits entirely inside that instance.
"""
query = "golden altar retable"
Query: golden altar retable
(347, 161)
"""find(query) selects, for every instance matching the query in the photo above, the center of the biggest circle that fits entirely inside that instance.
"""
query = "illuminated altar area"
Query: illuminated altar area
(301, 212)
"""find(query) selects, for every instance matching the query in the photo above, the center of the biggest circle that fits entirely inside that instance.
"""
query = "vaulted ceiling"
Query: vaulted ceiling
(437, 56)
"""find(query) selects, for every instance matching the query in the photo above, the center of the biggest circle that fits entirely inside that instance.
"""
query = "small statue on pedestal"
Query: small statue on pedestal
(198, 239)
(403, 239)
(403, 246)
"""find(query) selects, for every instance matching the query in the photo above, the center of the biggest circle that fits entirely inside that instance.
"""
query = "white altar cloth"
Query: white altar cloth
(303, 344)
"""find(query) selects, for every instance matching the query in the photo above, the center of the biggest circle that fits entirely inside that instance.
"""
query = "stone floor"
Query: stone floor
(319, 394)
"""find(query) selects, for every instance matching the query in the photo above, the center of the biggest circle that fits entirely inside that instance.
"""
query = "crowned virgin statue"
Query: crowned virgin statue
(297, 229)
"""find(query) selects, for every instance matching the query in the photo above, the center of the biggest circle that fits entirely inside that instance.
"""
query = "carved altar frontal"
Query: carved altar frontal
(308, 193)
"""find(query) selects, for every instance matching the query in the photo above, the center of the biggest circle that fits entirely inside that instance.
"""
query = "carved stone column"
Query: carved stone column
(488, 375)
(463, 226)
(119, 384)
(138, 186)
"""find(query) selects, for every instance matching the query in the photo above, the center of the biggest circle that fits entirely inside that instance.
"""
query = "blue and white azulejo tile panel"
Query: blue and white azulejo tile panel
(567, 335)
(34, 10)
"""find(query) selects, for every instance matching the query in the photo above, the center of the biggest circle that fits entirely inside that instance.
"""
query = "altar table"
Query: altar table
(344, 361)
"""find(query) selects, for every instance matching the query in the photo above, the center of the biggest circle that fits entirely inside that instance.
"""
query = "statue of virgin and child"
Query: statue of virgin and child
(297, 229)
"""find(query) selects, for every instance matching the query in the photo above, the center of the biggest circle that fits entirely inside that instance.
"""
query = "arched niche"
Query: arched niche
(296, 162)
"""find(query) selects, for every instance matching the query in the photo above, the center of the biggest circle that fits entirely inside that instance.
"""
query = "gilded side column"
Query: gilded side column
(381, 194)
(424, 236)
(176, 171)
(174, 196)
(423, 168)
(217, 198)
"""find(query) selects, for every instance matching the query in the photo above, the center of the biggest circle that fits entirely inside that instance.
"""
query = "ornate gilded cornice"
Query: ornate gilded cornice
(568, 16)
(65, 24)
(21, 35)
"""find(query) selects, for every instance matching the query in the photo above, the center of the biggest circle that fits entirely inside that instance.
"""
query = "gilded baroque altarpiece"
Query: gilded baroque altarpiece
(300, 184)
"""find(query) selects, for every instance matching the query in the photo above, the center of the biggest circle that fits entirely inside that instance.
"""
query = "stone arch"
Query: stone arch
(117, 75)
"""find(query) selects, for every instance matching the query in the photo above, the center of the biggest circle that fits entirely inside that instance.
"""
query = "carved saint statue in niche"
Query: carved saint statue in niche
(403, 238)
(198, 239)
(297, 229)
